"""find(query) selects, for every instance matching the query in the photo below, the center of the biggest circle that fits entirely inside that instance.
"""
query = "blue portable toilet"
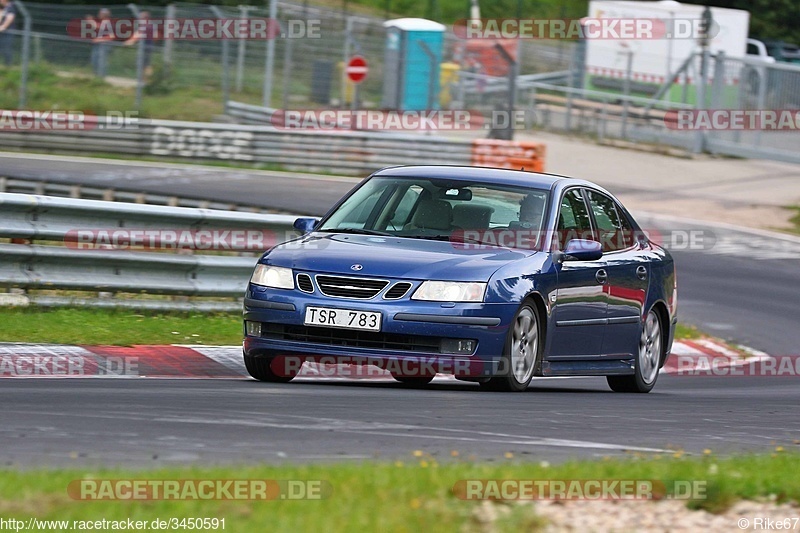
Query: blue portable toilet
(410, 82)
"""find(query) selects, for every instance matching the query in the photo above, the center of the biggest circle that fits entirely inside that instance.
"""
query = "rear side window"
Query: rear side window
(613, 228)
(573, 219)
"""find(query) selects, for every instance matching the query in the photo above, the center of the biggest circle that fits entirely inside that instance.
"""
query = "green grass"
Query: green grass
(684, 331)
(122, 327)
(795, 220)
(117, 327)
(83, 92)
(411, 495)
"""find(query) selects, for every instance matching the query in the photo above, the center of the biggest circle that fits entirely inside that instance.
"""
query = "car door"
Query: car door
(580, 305)
(628, 270)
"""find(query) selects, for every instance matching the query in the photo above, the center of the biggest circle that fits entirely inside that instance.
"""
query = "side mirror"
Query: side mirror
(305, 225)
(582, 250)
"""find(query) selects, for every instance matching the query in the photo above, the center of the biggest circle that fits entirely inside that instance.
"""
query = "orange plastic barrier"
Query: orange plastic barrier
(525, 155)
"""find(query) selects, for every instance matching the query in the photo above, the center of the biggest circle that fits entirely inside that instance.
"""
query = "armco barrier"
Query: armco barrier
(26, 218)
(344, 152)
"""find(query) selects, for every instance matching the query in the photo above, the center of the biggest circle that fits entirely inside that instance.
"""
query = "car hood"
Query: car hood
(393, 257)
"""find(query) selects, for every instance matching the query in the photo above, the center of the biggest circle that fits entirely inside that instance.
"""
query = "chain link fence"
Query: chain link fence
(304, 68)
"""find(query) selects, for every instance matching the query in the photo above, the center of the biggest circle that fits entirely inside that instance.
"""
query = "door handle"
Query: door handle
(641, 272)
(601, 276)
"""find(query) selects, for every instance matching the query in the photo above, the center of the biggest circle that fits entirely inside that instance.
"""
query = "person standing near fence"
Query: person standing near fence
(99, 57)
(145, 32)
(7, 17)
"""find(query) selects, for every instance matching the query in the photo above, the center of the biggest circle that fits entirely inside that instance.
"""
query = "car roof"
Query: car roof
(501, 176)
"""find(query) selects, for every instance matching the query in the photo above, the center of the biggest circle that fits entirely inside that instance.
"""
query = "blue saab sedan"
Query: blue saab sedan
(492, 275)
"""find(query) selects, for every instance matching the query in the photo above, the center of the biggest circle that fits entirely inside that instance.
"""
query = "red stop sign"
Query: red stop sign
(356, 69)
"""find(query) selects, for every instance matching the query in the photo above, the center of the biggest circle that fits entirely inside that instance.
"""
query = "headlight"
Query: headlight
(450, 291)
(271, 276)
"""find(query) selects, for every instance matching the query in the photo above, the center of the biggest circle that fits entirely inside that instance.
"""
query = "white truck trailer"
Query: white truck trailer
(653, 60)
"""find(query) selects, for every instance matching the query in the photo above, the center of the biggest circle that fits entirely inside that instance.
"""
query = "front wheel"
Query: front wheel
(648, 360)
(522, 353)
(270, 370)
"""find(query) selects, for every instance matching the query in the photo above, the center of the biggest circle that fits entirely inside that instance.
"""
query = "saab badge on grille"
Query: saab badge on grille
(356, 267)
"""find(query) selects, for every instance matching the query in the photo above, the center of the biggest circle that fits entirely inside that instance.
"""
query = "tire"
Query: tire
(648, 360)
(522, 355)
(261, 368)
(416, 381)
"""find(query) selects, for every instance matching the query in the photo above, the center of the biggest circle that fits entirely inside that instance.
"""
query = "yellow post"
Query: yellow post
(447, 78)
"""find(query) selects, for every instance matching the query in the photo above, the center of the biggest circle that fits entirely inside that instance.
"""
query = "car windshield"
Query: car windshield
(443, 209)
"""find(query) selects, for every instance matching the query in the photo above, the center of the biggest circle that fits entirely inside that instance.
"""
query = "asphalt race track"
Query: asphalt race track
(276, 190)
(722, 290)
(162, 422)
(743, 289)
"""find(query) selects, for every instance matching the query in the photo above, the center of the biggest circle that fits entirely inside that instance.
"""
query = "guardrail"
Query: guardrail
(248, 113)
(61, 264)
(111, 194)
(341, 151)
(345, 152)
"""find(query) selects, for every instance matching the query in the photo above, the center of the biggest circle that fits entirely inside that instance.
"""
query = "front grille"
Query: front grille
(304, 283)
(349, 337)
(397, 291)
(341, 287)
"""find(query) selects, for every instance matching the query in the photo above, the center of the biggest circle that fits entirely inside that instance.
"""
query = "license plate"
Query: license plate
(343, 318)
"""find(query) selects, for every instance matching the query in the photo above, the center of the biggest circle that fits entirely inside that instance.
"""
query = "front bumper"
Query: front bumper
(410, 331)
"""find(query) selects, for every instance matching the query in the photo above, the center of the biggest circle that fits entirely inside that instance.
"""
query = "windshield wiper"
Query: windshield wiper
(358, 231)
(427, 237)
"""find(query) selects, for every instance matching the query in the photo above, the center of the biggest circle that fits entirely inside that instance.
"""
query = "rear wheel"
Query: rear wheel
(269, 369)
(647, 363)
(522, 353)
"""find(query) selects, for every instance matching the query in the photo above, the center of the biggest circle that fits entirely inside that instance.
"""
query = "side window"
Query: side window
(614, 230)
(573, 219)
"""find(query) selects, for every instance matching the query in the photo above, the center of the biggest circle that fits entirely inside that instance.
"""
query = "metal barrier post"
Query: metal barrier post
(508, 132)
(345, 58)
(244, 12)
(718, 83)
(269, 63)
(700, 136)
(431, 79)
(139, 62)
(225, 63)
(287, 70)
(26, 48)
(570, 85)
(627, 91)
(169, 43)
(762, 97)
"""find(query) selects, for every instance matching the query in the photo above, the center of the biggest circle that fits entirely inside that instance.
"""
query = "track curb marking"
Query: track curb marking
(23, 360)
